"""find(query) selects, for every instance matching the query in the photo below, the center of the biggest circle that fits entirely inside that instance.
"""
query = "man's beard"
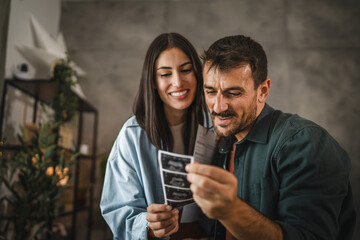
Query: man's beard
(241, 124)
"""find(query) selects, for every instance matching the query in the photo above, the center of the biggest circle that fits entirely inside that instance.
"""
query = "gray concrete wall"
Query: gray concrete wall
(20, 31)
(19, 107)
(313, 49)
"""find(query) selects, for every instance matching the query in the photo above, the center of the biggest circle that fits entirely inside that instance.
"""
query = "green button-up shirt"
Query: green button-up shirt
(292, 171)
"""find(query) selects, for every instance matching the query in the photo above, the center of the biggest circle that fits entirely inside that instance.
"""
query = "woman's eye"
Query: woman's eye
(186, 70)
(165, 74)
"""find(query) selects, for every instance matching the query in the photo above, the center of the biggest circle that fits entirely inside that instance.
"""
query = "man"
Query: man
(285, 177)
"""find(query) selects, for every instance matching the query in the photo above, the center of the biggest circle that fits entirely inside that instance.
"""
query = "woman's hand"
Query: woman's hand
(163, 220)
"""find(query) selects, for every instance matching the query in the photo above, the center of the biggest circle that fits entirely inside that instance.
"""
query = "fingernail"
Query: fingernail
(168, 207)
(188, 167)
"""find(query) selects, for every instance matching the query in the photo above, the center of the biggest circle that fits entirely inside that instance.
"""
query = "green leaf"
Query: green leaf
(49, 152)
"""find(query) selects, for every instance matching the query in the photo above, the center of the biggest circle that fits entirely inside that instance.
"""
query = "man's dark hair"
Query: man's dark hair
(231, 52)
(148, 107)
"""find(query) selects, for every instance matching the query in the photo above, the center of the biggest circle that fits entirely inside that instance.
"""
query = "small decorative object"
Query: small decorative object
(84, 149)
(22, 72)
(44, 53)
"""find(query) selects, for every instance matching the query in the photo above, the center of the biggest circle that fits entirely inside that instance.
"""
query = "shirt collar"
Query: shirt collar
(258, 133)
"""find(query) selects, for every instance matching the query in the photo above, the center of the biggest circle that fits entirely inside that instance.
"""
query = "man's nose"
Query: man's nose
(220, 104)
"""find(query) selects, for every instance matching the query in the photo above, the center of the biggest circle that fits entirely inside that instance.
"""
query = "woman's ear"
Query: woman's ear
(263, 90)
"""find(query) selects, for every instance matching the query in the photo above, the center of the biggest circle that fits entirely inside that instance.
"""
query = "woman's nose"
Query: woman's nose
(176, 80)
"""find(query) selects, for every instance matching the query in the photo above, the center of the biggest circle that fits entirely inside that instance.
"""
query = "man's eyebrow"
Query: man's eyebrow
(235, 88)
(164, 67)
(227, 89)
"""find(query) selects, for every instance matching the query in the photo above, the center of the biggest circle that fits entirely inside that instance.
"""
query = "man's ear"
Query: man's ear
(263, 90)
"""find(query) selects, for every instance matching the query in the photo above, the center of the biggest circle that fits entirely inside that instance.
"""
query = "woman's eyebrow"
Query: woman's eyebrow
(165, 67)
(186, 63)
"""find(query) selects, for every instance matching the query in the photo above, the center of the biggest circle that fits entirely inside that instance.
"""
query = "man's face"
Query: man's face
(231, 99)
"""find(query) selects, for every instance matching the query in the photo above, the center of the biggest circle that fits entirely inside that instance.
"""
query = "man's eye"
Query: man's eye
(234, 94)
(210, 92)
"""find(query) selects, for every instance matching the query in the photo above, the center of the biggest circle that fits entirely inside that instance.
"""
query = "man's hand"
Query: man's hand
(163, 220)
(214, 190)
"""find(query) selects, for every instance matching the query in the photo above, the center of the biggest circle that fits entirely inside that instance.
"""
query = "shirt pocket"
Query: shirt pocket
(263, 196)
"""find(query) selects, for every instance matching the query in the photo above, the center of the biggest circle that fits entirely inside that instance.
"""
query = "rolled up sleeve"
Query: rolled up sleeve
(313, 173)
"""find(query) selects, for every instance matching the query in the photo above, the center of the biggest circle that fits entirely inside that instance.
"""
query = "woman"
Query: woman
(168, 108)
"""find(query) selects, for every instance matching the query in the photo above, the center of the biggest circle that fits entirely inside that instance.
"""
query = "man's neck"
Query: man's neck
(241, 135)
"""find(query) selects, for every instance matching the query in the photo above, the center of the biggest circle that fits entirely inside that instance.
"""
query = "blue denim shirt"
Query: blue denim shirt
(132, 182)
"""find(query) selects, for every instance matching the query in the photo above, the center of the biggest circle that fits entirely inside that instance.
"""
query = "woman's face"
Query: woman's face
(175, 82)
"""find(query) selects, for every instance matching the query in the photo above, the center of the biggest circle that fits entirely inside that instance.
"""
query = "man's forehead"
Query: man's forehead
(232, 76)
(216, 70)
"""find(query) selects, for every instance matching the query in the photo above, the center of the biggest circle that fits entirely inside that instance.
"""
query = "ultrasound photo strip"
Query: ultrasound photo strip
(174, 162)
(176, 188)
(179, 204)
(176, 180)
(178, 194)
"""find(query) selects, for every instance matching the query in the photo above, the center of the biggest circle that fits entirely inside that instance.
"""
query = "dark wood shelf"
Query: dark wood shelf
(12, 147)
(16, 147)
(45, 91)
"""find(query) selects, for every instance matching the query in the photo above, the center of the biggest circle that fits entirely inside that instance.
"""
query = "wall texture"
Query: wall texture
(313, 49)
(18, 109)
(46, 12)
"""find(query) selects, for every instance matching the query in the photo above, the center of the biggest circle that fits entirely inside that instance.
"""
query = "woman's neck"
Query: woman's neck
(175, 117)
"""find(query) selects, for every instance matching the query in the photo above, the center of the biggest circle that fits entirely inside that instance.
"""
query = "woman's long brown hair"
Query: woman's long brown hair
(148, 107)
